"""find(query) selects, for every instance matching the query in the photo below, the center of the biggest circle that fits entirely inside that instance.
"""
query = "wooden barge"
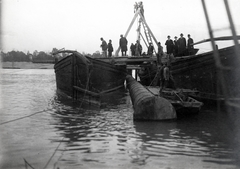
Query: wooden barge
(198, 72)
(86, 79)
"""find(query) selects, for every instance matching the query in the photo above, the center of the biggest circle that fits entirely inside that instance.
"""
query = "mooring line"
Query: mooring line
(24, 117)
(53, 153)
(27, 164)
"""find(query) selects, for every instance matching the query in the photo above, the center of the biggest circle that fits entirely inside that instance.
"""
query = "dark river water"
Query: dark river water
(38, 128)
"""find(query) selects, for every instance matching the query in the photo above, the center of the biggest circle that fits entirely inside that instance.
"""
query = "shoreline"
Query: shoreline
(26, 65)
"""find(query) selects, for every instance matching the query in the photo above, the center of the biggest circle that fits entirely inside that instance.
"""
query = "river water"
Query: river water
(41, 129)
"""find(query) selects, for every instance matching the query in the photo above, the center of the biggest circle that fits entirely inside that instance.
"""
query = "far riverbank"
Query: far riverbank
(26, 65)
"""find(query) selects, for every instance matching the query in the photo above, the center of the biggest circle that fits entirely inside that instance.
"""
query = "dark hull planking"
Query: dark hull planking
(200, 72)
(87, 79)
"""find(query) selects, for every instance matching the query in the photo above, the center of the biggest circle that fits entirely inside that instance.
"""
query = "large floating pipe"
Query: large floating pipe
(146, 105)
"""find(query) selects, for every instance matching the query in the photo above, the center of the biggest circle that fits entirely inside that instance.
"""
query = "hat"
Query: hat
(181, 34)
(188, 35)
(168, 36)
(175, 37)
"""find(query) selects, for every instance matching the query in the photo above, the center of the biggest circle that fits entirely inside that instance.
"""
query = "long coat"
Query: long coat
(110, 47)
(169, 45)
(123, 43)
(181, 45)
(189, 42)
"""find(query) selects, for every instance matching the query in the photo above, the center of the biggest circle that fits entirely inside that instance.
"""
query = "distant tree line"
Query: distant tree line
(15, 56)
(19, 56)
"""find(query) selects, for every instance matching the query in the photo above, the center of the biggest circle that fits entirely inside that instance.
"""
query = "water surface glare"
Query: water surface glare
(43, 129)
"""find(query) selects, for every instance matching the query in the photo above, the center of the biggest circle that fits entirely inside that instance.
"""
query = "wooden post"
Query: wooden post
(136, 74)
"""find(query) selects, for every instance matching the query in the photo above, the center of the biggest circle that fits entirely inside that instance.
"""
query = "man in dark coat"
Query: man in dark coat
(175, 49)
(133, 48)
(160, 53)
(123, 45)
(189, 46)
(150, 49)
(110, 48)
(181, 45)
(169, 45)
(138, 50)
(104, 47)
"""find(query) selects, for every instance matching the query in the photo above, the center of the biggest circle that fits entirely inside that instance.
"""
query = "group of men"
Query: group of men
(107, 49)
(176, 47)
(179, 47)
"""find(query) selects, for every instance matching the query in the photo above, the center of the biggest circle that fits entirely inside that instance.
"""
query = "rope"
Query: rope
(27, 164)
(63, 137)
(155, 77)
(53, 153)
(23, 117)
(87, 85)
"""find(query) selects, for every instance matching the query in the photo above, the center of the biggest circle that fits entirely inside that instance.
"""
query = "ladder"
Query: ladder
(146, 32)
(220, 68)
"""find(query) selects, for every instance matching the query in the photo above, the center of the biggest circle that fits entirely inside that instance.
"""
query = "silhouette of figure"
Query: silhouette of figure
(133, 48)
(123, 45)
(169, 45)
(138, 50)
(175, 48)
(181, 45)
(104, 47)
(150, 49)
(110, 48)
(189, 46)
(160, 53)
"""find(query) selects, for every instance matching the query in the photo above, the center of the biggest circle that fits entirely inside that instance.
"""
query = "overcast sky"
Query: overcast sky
(41, 25)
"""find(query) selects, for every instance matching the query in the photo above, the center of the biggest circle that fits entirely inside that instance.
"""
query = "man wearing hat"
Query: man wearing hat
(175, 48)
(123, 45)
(159, 53)
(150, 49)
(104, 47)
(181, 45)
(169, 45)
(189, 45)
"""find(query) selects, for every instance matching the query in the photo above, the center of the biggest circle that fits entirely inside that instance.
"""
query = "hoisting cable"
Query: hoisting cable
(20, 118)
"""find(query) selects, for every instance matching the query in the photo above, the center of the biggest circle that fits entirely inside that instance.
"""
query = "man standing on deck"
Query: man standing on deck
(133, 48)
(104, 47)
(159, 54)
(150, 49)
(189, 45)
(181, 45)
(138, 50)
(175, 48)
(169, 45)
(110, 48)
(123, 45)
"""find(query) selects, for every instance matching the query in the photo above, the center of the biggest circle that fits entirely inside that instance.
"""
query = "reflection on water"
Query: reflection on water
(71, 135)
